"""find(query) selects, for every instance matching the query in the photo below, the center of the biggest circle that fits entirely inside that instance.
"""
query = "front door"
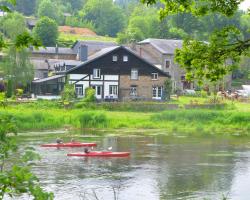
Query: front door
(98, 91)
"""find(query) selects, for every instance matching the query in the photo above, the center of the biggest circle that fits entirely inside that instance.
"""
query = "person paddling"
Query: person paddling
(86, 150)
(59, 141)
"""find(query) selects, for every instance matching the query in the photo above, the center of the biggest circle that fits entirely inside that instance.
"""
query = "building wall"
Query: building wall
(144, 86)
(54, 56)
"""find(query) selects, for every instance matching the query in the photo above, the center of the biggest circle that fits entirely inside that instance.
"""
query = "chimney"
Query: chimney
(56, 49)
(83, 53)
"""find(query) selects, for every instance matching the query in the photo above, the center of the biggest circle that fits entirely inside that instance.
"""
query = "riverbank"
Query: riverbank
(234, 121)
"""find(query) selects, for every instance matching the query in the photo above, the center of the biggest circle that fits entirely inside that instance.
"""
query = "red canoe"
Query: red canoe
(100, 154)
(70, 144)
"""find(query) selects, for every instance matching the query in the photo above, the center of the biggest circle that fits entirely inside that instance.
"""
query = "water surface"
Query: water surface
(160, 167)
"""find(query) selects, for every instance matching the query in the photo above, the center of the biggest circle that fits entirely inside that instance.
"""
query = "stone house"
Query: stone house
(160, 52)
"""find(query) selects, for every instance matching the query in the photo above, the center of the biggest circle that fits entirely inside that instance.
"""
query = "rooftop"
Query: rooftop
(165, 46)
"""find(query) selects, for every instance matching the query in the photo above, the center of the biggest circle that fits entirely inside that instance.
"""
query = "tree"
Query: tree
(17, 178)
(27, 7)
(48, 9)
(143, 23)
(46, 30)
(13, 25)
(208, 60)
(17, 68)
(107, 18)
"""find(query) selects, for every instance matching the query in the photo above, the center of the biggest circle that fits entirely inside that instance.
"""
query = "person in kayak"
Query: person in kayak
(59, 141)
(86, 150)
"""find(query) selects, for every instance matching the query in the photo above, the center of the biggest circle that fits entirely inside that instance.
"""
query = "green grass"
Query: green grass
(49, 115)
(67, 39)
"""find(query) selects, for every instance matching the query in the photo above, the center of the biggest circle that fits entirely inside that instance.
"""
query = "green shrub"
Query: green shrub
(19, 92)
(89, 95)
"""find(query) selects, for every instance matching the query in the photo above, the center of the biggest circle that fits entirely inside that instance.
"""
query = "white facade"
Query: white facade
(106, 87)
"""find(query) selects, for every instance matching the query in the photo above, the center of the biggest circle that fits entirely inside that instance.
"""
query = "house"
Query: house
(118, 73)
(45, 59)
(160, 52)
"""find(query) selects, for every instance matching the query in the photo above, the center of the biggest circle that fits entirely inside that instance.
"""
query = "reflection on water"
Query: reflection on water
(160, 167)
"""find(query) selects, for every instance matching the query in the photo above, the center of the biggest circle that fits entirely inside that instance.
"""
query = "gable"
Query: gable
(107, 66)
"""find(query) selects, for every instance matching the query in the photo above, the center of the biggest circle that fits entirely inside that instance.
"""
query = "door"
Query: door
(98, 91)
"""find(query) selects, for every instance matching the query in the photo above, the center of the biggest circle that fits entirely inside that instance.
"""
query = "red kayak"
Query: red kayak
(100, 154)
(70, 144)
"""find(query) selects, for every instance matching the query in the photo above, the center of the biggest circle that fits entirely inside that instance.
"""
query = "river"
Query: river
(160, 167)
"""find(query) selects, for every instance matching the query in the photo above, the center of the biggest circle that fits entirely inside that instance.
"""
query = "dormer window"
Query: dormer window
(97, 73)
(134, 74)
(154, 76)
(125, 58)
(115, 58)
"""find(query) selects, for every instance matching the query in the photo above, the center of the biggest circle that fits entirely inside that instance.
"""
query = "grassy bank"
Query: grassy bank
(192, 121)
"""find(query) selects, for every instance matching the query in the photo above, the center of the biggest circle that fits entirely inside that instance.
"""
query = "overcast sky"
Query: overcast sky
(245, 5)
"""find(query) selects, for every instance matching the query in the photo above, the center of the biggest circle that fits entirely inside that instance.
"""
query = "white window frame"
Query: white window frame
(96, 73)
(125, 58)
(169, 63)
(134, 74)
(133, 91)
(79, 87)
(157, 92)
(155, 76)
(113, 90)
(115, 58)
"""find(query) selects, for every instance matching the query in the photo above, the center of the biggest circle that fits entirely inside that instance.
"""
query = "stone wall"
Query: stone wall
(144, 86)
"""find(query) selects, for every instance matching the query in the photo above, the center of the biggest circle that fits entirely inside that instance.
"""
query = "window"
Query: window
(115, 58)
(134, 74)
(167, 63)
(79, 90)
(125, 58)
(113, 90)
(97, 73)
(157, 92)
(133, 90)
(154, 76)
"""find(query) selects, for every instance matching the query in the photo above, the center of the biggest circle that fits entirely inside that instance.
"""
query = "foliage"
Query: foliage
(46, 30)
(17, 68)
(168, 88)
(89, 95)
(27, 7)
(197, 7)
(68, 94)
(19, 92)
(2, 99)
(48, 9)
(89, 119)
(213, 60)
(107, 18)
(143, 23)
(13, 24)
(17, 178)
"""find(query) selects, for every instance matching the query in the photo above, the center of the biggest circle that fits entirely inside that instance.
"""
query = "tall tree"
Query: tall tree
(47, 8)
(46, 30)
(17, 68)
(107, 18)
(13, 24)
(27, 7)
(208, 60)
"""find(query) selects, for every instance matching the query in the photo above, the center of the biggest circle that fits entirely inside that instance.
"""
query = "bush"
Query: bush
(19, 92)
(89, 95)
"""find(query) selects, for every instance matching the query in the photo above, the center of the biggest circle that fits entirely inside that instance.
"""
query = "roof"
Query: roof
(93, 46)
(165, 46)
(39, 64)
(48, 78)
(31, 21)
(108, 50)
(52, 50)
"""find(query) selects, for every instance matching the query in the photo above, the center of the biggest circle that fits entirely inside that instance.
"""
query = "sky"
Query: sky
(245, 5)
